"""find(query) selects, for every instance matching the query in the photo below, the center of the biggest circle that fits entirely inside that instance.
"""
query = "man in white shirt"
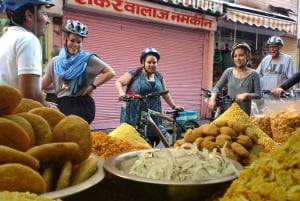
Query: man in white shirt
(276, 67)
(21, 52)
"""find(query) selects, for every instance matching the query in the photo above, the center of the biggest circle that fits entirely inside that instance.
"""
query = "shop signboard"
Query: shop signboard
(147, 11)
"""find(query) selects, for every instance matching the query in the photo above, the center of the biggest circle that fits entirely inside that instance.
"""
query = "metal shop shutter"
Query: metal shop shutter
(290, 47)
(119, 42)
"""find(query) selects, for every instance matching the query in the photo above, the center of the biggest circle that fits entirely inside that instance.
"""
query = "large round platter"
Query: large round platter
(120, 165)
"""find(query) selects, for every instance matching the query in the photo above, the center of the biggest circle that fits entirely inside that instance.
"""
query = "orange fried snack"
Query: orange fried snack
(106, 146)
(18, 177)
(74, 129)
(10, 97)
(26, 104)
(65, 176)
(13, 135)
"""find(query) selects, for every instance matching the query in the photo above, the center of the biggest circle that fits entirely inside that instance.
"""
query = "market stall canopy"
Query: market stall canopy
(259, 18)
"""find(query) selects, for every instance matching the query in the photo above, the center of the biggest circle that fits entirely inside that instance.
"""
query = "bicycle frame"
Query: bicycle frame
(147, 120)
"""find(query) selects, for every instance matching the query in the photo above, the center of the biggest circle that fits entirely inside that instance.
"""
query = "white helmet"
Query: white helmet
(275, 40)
(76, 27)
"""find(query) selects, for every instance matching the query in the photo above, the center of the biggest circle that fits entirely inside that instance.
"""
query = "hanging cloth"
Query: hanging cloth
(73, 68)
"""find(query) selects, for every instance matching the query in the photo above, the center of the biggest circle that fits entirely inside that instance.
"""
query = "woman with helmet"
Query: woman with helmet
(75, 73)
(144, 80)
(21, 52)
(242, 82)
(276, 67)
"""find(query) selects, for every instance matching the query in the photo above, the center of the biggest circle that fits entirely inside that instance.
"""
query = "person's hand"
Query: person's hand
(178, 108)
(211, 104)
(123, 97)
(240, 97)
(52, 105)
(277, 91)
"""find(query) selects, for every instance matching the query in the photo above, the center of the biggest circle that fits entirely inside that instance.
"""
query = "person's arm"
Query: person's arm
(29, 86)
(286, 85)
(121, 82)
(103, 71)
(217, 89)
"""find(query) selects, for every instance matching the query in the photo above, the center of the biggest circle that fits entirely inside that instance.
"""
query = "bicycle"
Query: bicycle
(171, 116)
(222, 103)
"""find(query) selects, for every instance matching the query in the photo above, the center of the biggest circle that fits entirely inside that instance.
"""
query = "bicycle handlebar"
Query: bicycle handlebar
(130, 97)
(223, 99)
(282, 95)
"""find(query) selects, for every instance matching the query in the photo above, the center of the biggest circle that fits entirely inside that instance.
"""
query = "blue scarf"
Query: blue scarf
(73, 68)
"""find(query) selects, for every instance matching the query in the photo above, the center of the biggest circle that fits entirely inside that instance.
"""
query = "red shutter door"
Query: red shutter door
(119, 42)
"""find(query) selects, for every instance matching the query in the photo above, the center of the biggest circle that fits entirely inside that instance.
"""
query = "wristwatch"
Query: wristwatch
(94, 86)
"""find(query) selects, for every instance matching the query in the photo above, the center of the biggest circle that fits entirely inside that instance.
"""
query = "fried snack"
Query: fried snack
(86, 169)
(25, 124)
(209, 145)
(251, 133)
(179, 142)
(106, 146)
(26, 104)
(228, 131)
(74, 129)
(244, 140)
(192, 134)
(10, 155)
(220, 123)
(51, 115)
(239, 149)
(56, 151)
(23, 196)
(198, 142)
(239, 127)
(42, 130)
(237, 114)
(65, 176)
(50, 176)
(18, 177)
(10, 97)
(13, 135)
(209, 129)
(223, 140)
(127, 132)
(273, 176)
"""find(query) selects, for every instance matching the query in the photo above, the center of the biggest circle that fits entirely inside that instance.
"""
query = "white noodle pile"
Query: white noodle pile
(185, 163)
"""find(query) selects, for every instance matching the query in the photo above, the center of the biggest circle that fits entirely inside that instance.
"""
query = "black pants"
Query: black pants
(51, 97)
(83, 106)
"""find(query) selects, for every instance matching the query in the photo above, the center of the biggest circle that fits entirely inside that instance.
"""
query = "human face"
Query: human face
(240, 57)
(74, 43)
(150, 63)
(274, 50)
(43, 21)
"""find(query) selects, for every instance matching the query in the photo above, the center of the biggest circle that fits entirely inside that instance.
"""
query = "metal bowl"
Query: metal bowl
(88, 183)
(119, 166)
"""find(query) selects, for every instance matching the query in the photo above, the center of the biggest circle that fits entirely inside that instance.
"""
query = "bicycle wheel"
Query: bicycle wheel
(190, 124)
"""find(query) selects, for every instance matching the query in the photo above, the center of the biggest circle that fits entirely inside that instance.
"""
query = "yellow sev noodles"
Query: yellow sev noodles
(184, 163)
(22, 196)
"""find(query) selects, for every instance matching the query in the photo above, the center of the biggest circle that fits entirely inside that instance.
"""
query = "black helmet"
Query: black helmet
(275, 40)
(151, 51)
(243, 45)
(76, 27)
(14, 5)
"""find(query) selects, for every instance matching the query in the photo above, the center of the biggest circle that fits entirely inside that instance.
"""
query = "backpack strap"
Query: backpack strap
(135, 75)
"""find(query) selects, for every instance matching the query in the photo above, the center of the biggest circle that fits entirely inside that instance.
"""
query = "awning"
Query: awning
(269, 20)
